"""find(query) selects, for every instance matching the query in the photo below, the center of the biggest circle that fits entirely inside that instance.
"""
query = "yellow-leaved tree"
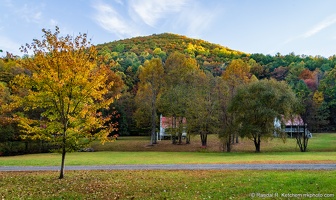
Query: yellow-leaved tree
(71, 91)
(150, 88)
(236, 74)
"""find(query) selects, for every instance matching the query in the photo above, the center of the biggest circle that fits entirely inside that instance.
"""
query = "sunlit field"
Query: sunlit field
(135, 150)
(210, 184)
(112, 158)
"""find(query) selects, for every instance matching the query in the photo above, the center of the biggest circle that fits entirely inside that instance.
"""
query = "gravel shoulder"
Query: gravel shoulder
(178, 167)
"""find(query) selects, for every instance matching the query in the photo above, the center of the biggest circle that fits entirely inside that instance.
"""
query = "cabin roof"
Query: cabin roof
(296, 121)
(166, 122)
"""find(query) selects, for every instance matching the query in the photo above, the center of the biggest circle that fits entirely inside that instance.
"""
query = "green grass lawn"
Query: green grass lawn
(322, 149)
(209, 184)
(323, 141)
(111, 158)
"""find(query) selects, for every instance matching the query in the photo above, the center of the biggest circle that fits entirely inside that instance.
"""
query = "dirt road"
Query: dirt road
(179, 167)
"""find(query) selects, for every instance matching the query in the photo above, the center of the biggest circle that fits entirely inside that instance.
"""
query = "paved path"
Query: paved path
(179, 167)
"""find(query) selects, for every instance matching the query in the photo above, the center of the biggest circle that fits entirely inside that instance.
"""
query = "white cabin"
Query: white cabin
(166, 122)
(294, 127)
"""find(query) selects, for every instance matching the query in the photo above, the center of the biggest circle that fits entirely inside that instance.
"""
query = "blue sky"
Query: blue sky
(252, 26)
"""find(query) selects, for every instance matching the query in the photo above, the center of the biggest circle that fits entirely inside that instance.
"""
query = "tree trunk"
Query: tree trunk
(153, 138)
(180, 138)
(298, 141)
(153, 135)
(305, 144)
(188, 139)
(63, 149)
(173, 139)
(302, 140)
(204, 140)
(63, 157)
(173, 130)
(180, 130)
(257, 143)
(305, 139)
(228, 143)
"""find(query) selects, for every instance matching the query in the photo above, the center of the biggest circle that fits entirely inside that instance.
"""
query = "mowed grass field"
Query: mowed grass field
(135, 150)
(200, 184)
(176, 184)
(133, 158)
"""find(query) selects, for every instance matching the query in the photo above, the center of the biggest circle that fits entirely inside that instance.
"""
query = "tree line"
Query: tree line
(311, 77)
(233, 105)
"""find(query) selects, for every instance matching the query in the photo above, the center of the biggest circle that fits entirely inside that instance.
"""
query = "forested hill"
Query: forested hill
(168, 43)
(133, 51)
(311, 77)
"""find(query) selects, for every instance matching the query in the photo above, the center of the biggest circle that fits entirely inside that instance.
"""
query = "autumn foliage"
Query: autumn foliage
(63, 90)
(68, 87)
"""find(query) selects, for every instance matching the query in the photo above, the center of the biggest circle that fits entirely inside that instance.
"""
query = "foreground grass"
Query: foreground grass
(111, 158)
(212, 184)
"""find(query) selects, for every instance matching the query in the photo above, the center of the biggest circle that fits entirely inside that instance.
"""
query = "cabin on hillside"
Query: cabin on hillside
(294, 127)
(167, 123)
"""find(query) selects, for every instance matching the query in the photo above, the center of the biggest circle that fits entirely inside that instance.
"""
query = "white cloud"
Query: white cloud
(53, 22)
(150, 11)
(7, 3)
(6, 44)
(196, 19)
(31, 14)
(119, 2)
(320, 26)
(329, 21)
(109, 19)
(28, 12)
(136, 17)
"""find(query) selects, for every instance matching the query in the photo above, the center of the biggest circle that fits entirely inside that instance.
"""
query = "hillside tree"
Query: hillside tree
(226, 126)
(202, 108)
(328, 85)
(258, 104)
(179, 75)
(236, 74)
(150, 87)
